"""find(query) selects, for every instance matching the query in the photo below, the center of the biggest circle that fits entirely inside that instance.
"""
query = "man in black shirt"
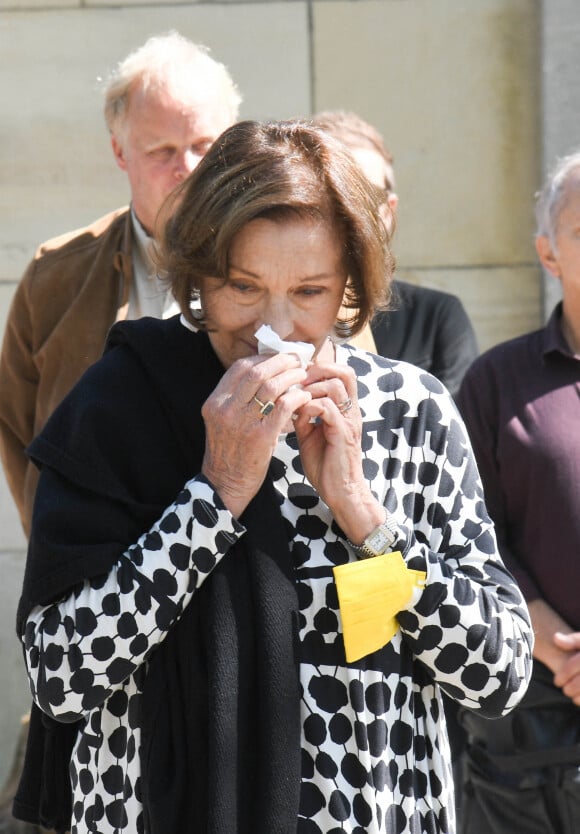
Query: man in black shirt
(521, 405)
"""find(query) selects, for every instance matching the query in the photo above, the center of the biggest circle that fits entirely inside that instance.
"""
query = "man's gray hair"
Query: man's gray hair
(550, 199)
(175, 63)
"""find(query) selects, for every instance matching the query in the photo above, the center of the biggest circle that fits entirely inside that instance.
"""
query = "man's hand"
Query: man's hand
(557, 646)
(568, 677)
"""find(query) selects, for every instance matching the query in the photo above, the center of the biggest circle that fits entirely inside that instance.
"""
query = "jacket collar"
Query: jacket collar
(123, 262)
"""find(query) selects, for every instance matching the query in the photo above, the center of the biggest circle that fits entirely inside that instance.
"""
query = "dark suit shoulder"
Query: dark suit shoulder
(412, 295)
(429, 328)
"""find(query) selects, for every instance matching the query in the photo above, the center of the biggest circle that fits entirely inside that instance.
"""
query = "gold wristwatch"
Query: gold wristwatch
(382, 540)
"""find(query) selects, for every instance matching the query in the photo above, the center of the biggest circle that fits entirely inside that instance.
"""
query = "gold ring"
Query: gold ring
(345, 406)
(265, 408)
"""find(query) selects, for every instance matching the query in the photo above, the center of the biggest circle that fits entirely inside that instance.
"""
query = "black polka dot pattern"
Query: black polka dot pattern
(375, 754)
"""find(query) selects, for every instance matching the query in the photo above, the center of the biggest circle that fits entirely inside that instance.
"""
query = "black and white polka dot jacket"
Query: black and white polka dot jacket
(375, 754)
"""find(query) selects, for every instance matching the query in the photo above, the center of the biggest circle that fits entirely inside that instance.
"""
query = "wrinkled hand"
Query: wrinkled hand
(329, 437)
(568, 676)
(240, 440)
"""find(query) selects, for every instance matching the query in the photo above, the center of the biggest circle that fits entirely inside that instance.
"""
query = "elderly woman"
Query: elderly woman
(210, 650)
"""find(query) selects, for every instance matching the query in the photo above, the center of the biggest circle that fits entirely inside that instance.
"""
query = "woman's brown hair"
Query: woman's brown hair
(277, 171)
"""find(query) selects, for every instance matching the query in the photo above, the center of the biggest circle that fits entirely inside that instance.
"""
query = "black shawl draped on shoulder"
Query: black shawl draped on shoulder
(220, 711)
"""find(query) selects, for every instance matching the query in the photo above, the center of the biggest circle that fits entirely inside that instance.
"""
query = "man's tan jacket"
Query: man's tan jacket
(75, 288)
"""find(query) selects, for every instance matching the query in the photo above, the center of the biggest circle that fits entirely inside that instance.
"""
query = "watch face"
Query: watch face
(380, 539)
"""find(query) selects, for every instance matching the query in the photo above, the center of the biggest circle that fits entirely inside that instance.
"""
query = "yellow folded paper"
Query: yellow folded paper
(370, 593)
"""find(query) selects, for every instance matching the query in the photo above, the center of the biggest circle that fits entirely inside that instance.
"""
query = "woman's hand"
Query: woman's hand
(240, 439)
(329, 429)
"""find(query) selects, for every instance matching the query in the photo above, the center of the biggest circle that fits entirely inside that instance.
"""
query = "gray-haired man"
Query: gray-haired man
(165, 104)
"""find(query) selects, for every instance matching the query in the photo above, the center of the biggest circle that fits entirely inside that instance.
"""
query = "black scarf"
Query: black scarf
(220, 712)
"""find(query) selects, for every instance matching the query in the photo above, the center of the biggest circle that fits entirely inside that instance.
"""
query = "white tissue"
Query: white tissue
(270, 342)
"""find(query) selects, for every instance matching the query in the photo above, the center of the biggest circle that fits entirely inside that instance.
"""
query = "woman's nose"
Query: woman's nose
(279, 317)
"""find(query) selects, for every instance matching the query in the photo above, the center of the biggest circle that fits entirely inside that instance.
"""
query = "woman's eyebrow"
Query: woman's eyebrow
(321, 276)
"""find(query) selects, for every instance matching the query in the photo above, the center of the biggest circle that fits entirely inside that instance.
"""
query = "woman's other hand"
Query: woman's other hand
(329, 429)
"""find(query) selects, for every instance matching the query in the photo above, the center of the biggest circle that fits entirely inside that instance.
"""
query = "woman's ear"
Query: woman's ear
(547, 255)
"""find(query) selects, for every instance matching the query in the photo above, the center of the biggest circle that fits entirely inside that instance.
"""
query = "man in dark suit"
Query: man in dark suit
(426, 327)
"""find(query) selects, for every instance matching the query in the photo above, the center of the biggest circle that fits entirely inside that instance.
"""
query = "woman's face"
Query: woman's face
(289, 274)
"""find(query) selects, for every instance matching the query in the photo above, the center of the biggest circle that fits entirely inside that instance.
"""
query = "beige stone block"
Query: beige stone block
(454, 88)
(6, 292)
(502, 302)
(13, 684)
(11, 535)
(27, 5)
(56, 167)
(16, 698)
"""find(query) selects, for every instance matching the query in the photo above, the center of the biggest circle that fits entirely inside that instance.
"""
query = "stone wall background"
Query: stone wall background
(475, 100)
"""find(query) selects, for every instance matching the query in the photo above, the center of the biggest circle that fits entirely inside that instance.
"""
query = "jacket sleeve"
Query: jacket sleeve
(82, 647)
(470, 625)
(19, 379)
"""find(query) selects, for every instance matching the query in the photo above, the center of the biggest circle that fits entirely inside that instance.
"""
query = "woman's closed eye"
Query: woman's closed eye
(241, 286)
(310, 291)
